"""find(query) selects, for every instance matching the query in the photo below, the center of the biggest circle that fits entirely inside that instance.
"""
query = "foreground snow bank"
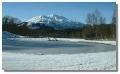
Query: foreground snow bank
(66, 39)
(89, 61)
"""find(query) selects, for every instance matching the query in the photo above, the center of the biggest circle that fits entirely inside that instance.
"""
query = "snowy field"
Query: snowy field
(89, 61)
(64, 54)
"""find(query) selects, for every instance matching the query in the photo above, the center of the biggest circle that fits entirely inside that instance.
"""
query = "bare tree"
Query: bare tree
(95, 18)
(114, 17)
(102, 20)
(88, 19)
(98, 16)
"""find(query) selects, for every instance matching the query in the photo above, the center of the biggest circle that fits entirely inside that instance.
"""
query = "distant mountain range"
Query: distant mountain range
(53, 20)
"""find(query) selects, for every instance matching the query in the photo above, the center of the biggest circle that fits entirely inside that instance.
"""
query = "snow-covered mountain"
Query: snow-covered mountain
(55, 21)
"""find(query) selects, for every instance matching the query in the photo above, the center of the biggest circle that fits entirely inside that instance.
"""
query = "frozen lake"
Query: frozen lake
(54, 47)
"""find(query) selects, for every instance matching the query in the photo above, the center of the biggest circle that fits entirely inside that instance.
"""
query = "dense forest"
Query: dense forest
(95, 28)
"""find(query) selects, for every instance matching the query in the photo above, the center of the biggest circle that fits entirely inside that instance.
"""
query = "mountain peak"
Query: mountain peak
(53, 20)
(48, 18)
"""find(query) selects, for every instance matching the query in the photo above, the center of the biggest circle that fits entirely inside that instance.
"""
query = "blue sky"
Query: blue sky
(75, 11)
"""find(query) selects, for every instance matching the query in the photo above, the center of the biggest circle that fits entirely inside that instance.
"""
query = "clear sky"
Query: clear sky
(75, 11)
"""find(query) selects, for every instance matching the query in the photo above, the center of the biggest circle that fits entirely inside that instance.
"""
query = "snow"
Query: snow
(67, 39)
(94, 41)
(89, 61)
(6, 34)
(53, 20)
(45, 18)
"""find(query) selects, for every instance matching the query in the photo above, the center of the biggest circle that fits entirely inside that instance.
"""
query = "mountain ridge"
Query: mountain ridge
(52, 20)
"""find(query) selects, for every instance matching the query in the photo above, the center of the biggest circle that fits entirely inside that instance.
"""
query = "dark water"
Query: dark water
(54, 47)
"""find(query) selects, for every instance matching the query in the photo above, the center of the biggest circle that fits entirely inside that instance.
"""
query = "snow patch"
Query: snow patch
(6, 34)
